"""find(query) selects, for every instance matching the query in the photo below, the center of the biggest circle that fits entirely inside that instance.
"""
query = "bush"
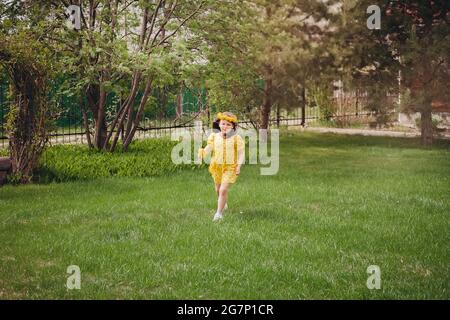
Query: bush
(144, 158)
(436, 122)
(343, 122)
(320, 98)
(4, 152)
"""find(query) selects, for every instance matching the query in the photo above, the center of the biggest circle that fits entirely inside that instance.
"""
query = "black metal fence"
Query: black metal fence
(166, 115)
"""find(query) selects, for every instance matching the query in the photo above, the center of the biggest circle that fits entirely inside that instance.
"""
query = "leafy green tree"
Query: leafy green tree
(422, 42)
(30, 65)
(262, 54)
(412, 46)
(125, 49)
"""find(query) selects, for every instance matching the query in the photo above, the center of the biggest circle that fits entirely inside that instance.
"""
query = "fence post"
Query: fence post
(303, 123)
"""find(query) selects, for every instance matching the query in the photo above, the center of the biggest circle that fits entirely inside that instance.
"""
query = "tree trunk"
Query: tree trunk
(267, 101)
(137, 120)
(101, 134)
(278, 116)
(97, 103)
(303, 123)
(120, 116)
(86, 124)
(426, 127)
(179, 103)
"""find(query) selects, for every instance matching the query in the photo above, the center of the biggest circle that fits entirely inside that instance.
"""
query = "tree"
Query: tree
(413, 42)
(126, 48)
(422, 41)
(263, 54)
(29, 65)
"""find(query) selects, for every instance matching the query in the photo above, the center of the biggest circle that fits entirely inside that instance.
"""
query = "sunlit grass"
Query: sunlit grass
(337, 205)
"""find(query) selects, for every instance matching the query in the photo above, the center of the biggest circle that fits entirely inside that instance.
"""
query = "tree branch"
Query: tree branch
(178, 28)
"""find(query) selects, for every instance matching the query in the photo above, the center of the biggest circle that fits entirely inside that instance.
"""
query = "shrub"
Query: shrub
(320, 98)
(436, 123)
(4, 152)
(144, 158)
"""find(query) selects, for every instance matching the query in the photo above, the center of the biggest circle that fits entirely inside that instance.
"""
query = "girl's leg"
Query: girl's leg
(217, 186)
(223, 196)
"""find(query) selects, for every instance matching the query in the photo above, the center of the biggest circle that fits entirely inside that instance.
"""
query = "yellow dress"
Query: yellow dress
(224, 157)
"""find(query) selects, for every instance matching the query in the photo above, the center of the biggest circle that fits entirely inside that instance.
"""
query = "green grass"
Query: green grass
(337, 205)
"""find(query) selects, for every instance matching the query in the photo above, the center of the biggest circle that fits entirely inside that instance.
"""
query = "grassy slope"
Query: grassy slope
(337, 205)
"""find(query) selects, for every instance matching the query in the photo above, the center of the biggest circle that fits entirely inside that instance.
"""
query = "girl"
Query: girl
(228, 156)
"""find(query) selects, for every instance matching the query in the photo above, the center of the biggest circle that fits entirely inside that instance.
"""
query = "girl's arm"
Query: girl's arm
(203, 152)
(207, 150)
(240, 161)
(241, 153)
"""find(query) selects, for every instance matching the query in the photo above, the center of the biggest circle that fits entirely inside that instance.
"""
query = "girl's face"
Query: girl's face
(225, 126)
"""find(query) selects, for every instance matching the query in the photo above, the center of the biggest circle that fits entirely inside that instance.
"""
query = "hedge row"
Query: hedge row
(144, 158)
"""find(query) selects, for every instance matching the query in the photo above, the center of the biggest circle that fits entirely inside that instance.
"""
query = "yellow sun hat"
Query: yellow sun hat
(222, 116)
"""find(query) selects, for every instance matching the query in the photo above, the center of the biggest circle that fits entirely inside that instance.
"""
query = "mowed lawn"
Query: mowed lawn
(337, 205)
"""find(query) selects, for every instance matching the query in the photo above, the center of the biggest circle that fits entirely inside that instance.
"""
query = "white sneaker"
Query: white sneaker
(217, 216)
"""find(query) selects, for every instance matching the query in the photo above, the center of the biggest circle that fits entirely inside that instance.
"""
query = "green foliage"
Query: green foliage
(30, 66)
(145, 158)
(413, 45)
(15, 178)
(253, 43)
(321, 98)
